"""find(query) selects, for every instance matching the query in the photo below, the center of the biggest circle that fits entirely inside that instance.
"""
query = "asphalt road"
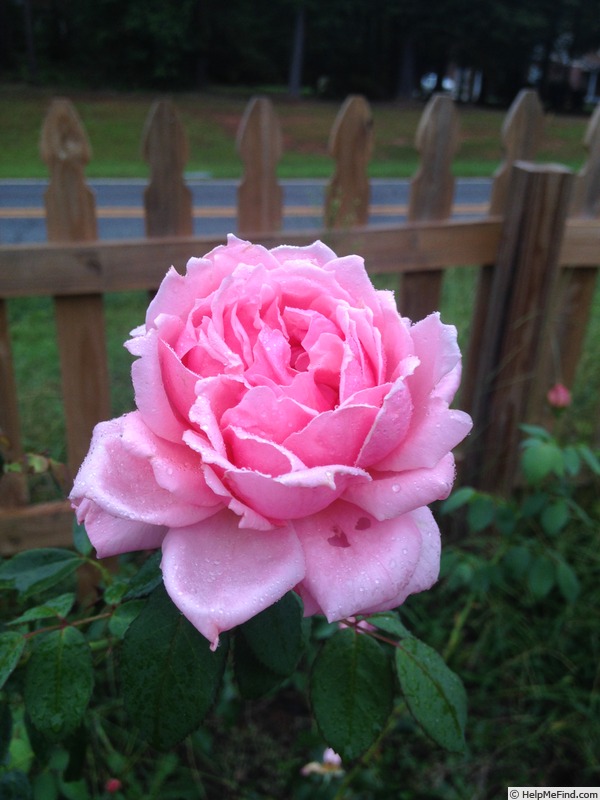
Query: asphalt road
(120, 206)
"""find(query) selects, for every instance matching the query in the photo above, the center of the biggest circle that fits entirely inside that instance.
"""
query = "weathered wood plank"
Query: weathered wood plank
(167, 199)
(71, 216)
(521, 135)
(350, 143)
(41, 525)
(509, 355)
(431, 198)
(73, 269)
(13, 485)
(259, 143)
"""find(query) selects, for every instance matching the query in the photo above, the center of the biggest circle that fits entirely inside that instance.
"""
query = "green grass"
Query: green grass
(114, 122)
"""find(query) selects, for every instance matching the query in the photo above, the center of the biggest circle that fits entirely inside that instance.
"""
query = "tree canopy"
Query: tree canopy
(377, 47)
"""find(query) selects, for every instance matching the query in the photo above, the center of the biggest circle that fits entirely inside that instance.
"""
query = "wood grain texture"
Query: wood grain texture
(520, 318)
(259, 143)
(347, 195)
(71, 216)
(168, 203)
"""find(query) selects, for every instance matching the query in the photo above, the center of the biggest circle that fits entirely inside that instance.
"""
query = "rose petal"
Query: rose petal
(124, 485)
(294, 495)
(436, 346)
(333, 437)
(262, 413)
(220, 576)
(111, 535)
(428, 566)
(429, 438)
(354, 562)
(391, 495)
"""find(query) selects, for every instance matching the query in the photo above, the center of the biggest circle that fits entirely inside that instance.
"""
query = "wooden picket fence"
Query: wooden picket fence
(538, 249)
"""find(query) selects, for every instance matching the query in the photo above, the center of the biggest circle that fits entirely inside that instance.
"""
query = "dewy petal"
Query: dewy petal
(428, 566)
(334, 436)
(294, 495)
(354, 562)
(112, 536)
(390, 495)
(220, 576)
(436, 346)
(429, 438)
(123, 483)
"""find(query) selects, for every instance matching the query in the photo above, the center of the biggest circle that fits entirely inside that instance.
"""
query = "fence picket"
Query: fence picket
(71, 216)
(508, 357)
(350, 144)
(431, 197)
(521, 137)
(526, 236)
(577, 285)
(13, 485)
(260, 197)
(167, 199)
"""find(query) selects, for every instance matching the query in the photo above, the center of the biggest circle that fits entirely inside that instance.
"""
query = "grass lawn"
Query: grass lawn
(114, 123)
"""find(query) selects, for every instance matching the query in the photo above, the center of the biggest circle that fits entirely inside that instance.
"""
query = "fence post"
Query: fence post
(260, 197)
(518, 323)
(431, 197)
(13, 485)
(350, 143)
(167, 199)
(71, 216)
(521, 136)
(578, 283)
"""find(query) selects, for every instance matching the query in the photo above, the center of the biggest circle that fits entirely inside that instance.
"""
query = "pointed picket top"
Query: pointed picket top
(350, 144)
(586, 196)
(521, 137)
(437, 140)
(167, 199)
(259, 144)
(65, 149)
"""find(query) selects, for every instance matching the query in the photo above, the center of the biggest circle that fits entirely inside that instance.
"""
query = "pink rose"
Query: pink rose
(290, 430)
(559, 396)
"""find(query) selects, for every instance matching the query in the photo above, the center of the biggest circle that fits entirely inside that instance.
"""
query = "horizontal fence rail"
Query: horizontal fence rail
(537, 251)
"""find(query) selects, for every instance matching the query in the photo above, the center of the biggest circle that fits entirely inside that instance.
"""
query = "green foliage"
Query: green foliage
(351, 692)
(128, 689)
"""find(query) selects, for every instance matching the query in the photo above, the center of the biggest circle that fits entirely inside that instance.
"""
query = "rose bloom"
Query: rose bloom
(290, 430)
(559, 396)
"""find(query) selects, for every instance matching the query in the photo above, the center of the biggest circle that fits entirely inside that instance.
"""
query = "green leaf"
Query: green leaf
(434, 694)
(81, 540)
(567, 581)
(590, 458)
(540, 460)
(275, 635)
(457, 499)
(555, 516)
(14, 785)
(516, 562)
(12, 645)
(6, 727)
(37, 570)
(170, 676)
(537, 432)
(351, 691)
(572, 460)
(481, 513)
(541, 576)
(253, 678)
(147, 578)
(56, 607)
(389, 622)
(123, 616)
(58, 682)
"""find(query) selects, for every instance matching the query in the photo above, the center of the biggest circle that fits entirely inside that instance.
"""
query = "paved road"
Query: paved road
(120, 214)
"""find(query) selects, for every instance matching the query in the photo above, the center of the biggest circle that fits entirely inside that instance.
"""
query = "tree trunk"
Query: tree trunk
(295, 81)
